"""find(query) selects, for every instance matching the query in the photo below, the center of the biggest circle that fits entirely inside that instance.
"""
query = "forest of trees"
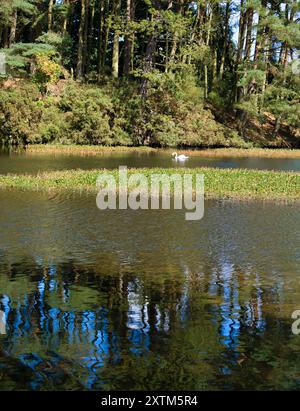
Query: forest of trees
(165, 73)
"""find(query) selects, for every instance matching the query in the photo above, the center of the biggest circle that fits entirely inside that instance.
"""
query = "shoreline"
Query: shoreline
(240, 184)
(208, 152)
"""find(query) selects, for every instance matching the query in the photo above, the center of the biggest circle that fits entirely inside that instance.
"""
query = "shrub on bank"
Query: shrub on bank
(110, 115)
(20, 114)
(91, 117)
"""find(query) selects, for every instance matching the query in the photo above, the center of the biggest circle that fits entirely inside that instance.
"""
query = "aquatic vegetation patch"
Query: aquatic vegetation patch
(211, 153)
(219, 183)
(84, 150)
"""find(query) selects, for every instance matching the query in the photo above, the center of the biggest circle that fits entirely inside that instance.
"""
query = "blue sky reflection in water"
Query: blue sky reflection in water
(146, 300)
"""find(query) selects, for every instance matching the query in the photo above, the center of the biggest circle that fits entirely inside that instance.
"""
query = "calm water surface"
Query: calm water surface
(28, 163)
(145, 300)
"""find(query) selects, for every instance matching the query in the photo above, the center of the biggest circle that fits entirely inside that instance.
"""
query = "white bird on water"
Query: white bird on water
(181, 157)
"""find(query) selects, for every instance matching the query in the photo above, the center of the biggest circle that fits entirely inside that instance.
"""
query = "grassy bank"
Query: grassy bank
(84, 150)
(217, 152)
(242, 152)
(219, 183)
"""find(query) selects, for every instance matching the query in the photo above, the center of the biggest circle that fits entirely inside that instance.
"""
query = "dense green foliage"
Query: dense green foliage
(151, 72)
(107, 115)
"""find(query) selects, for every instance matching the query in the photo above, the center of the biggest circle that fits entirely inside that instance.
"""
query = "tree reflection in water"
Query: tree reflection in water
(73, 327)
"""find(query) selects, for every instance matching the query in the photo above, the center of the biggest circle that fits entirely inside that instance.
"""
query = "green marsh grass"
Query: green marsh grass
(219, 183)
(215, 152)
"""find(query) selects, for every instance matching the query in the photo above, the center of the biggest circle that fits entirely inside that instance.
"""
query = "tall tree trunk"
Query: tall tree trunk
(196, 31)
(214, 66)
(50, 14)
(104, 26)
(240, 48)
(148, 63)
(225, 44)
(196, 35)
(128, 62)
(65, 21)
(259, 37)
(283, 57)
(100, 51)
(242, 31)
(5, 37)
(249, 18)
(80, 55)
(13, 29)
(85, 37)
(115, 56)
(116, 44)
(267, 41)
(173, 49)
(207, 42)
(257, 53)
(277, 126)
(284, 51)
(90, 34)
(175, 39)
(147, 68)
